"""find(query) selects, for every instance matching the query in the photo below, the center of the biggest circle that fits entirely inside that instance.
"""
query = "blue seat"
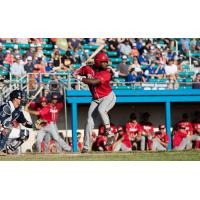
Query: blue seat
(47, 46)
(112, 53)
(24, 46)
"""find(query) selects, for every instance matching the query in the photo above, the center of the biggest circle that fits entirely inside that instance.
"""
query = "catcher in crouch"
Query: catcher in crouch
(11, 116)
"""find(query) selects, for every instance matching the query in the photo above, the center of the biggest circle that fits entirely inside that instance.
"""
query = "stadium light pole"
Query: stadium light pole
(168, 122)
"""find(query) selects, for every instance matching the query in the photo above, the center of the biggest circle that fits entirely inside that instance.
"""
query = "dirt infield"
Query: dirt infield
(193, 155)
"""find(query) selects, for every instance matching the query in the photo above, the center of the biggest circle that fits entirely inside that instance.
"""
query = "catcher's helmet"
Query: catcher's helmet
(101, 57)
(18, 94)
(43, 99)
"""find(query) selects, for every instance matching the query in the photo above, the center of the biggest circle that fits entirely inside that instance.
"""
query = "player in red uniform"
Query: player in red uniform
(49, 112)
(98, 79)
(160, 140)
(148, 130)
(181, 139)
(123, 142)
(134, 130)
(196, 130)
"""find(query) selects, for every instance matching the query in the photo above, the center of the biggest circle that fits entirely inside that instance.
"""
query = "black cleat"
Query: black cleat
(84, 150)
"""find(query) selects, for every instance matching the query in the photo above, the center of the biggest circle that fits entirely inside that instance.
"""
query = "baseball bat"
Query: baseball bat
(95, 53)
(90, 58)
(36, 94)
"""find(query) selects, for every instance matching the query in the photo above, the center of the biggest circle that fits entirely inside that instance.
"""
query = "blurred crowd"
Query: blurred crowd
(133, 59)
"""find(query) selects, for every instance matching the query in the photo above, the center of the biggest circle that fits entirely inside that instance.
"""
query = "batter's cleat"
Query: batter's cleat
(110, 140)
(84, 150)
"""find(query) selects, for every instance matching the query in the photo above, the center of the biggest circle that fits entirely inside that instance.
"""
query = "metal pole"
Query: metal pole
(66, 118)
(168, 122)
(74, 127)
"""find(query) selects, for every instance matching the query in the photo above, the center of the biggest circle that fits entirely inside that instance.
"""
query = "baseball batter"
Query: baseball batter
(98, 79)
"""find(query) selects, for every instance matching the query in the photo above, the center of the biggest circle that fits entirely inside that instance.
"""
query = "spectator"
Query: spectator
(29, 66)
(181, 140)
(134, 130)
(196, 130)
(185, 45)
(160, 140)
(123, 68)
(137, 68)
(132, 76)
(1, 54)
(196, 82)
(150, 72)
(171, 69)
(135, 52)
(17, 69)
(67, 60)
(123, 142)
(74, 43)
(160, 71)
(31, 50)
(143, 60)
(125, 48)
(40, 67)
(113, 44)
(56, 59)
(16, 51)
(9, 59)
(80, 144)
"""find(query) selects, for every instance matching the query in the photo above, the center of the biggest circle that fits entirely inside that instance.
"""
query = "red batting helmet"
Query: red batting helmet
(101, 57)
(43, 99)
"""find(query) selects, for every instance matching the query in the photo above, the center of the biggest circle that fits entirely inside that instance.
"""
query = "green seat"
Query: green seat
(112, 53)
(185, 74)
(180, 80)
(47, 46)
(48, 53)
(62, 52)
(3, 73)
(185, 87)
(6, 65)
(163, 80)
(92, 47)
(115, 60)
(188, 80)
(114, 65)
(121, 87)
(22, 51)
(9, 45)
(76, 66)
(195, 54)
(186, 67)
(46, 79)
(122, 80)
(24, 46)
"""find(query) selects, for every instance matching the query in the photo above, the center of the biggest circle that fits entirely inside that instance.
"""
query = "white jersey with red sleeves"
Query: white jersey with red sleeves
(101, 90)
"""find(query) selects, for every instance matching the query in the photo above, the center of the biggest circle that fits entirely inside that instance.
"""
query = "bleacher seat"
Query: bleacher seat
(186, 74)
(24, 46)
(121, 80)
(121, 87)
(112, 53)
(47, 46)
(4, 73)
(162, 80)
(76, 66)
(186, 67)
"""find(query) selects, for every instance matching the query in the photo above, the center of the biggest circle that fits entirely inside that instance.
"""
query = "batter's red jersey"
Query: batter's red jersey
(133, 128)
(178, 137)
(102, 89)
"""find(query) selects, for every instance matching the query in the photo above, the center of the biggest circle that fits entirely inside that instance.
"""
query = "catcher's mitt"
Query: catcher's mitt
(39, 124)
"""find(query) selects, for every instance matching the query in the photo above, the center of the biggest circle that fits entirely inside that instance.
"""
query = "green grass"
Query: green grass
(192, 155)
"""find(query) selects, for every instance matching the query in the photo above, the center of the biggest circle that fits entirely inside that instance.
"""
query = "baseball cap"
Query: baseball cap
(124, 57)
(29, 58)
(55, 47)
(182, 126)
(18, 57)
(119, 128)
(32, 45)
(15, 46)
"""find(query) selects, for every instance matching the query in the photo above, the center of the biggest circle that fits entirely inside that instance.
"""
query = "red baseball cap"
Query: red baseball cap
(161, 126)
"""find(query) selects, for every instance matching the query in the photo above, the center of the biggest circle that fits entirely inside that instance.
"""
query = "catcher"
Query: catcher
(11, 116)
